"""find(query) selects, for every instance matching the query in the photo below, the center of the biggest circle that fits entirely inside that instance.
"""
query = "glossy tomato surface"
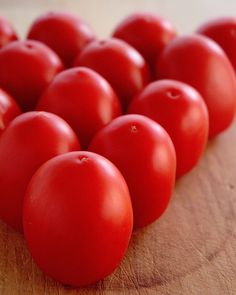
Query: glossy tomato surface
(200, 62)
(29, 140)
(119, 63)
(84, 99)
(64, 32)
(145, 155)
(146, 32)
(223, 31)
(78, 218)
(26, 68)
(8, 110)
(7, 32)
(181, 110)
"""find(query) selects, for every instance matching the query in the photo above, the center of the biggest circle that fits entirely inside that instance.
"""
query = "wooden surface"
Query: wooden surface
(192, 249)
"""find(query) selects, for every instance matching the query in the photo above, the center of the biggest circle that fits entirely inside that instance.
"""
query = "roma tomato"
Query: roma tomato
(84, 99)
(119, 63)
(8, 110)
(29, 140)
(26, 68)
(64, 32)
(78, 218)
(146, 32)
(180, 109)
(223, 31)
(200, 62)
(145, 155)
(7, 32)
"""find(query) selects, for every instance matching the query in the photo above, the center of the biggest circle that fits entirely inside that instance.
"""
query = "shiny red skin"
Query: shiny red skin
(223, 31)
(200, 62)
(7, 32)
(29, 140)
(84, 99)
(181, 111)
(144, 153)
(78, 219)
(8, 110)
(119, 63)
(146, 32)
(64, 32)
(26, 68)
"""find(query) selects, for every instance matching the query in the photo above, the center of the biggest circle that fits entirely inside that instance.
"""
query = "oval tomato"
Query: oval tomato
(26, 68)
(119, 63)
(84, 99)
(7, 32)
(200, 62)
(145, 155)
(78, 218)
(180, 109)
(30, 140)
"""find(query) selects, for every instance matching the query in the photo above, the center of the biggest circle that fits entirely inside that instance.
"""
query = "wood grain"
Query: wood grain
(192, 248)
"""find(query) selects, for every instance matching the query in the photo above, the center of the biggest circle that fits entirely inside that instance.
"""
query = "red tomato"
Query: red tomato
(26, 68)
(84, 99)
(7, 32)
(119, 63)
(200, 62)
(8, 110)
(78, 218)
(222, 31)
(30, 140)
(145, 155)
(180, 109)
(146, 32)
(64, 32)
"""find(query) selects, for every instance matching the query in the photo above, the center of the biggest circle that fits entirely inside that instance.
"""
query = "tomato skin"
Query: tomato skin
(8, 110)
(28, 141)
(64, 32)
(85, 236)
(145, 155)
(7, 32)
(181, 111)
(119, 63)
(84, 99)
(222, 30)
(26, 68)
(201, 63)
(146, 32)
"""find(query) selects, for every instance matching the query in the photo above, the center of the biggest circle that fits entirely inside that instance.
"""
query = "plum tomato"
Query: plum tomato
(7, 32)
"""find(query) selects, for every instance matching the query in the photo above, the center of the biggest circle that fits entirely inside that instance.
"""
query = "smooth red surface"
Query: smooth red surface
(29, 140)
(223, 31)
(78, 218)
(200, 62)
(181, 111)
(64, 32)
(119, 63)
(84, 99)
(26, 68)
(8, 110)
(146, 32)
(7, 32)
(145, 155)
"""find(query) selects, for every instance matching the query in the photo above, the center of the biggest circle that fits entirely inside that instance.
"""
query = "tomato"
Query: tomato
(26, 68)
(223, 31)
(8, 110)
(119, 63)
(145, 155)
(84, 99)
(7, 32)
(64, 32)
(200, 62)
(181, 110)
(77, 218)
(29, 140)
(146, 32)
